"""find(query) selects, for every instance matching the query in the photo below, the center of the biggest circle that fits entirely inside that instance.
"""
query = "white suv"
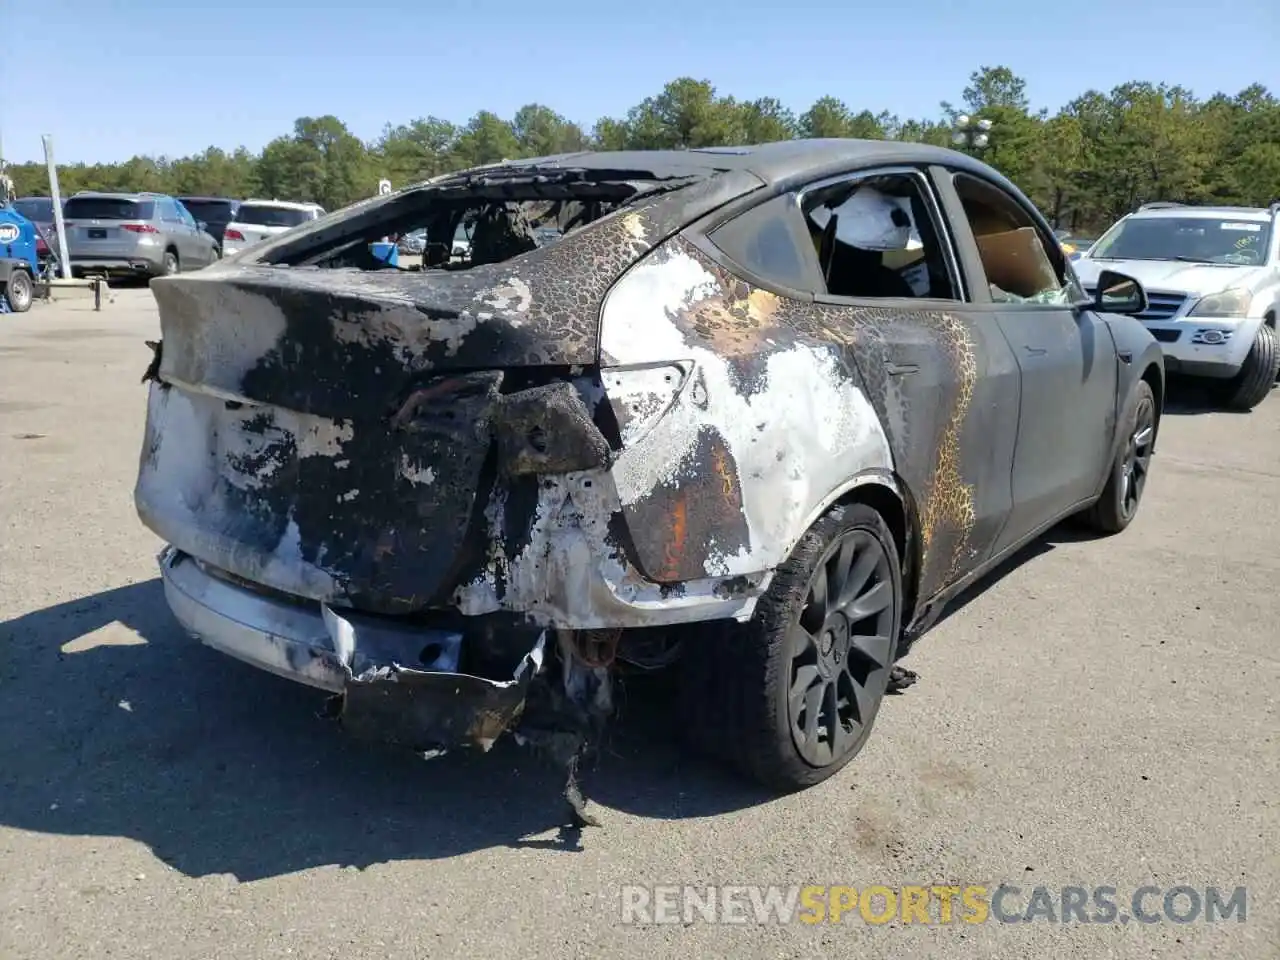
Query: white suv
(257, 220)
(1212, 277)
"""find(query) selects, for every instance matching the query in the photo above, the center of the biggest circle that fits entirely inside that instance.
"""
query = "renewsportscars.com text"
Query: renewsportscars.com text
(932, 904)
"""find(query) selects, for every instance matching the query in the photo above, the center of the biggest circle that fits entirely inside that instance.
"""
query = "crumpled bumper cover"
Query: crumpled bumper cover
(363, 660)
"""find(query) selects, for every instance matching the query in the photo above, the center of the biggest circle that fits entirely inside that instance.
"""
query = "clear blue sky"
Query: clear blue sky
(112, 78)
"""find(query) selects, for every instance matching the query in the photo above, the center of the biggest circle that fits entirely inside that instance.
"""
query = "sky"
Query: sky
(109, 79)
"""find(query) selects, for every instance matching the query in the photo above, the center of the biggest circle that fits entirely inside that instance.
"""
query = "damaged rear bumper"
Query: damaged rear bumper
(397, 684)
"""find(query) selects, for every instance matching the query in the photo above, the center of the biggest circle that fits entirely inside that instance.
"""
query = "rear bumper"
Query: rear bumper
(133, 266)
(387, 692)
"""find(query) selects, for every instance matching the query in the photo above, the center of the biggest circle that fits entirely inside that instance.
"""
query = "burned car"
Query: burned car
(753, 414)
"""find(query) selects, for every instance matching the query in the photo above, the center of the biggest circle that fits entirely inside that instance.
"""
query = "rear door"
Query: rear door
(177, 233)
(1066, 356)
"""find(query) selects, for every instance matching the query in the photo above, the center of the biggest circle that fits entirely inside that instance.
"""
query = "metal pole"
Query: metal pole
(64, 259)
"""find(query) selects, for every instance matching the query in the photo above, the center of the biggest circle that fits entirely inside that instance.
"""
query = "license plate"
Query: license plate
(97, 234)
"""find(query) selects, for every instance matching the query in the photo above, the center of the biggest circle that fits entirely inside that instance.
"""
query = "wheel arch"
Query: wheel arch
(889, 497)
(1153, 376)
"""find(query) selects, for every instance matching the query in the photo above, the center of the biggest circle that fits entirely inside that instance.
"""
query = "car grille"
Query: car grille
(1160, 306)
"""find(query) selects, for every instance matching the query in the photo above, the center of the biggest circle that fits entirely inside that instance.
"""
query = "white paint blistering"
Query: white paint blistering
(512, 298)
(415, 472)
(569, 576)
(805, 431)
(186, 474)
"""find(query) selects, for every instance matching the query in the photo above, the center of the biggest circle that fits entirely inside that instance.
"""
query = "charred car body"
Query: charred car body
(758, 412)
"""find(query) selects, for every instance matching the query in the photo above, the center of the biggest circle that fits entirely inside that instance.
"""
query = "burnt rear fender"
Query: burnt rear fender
(736, 430)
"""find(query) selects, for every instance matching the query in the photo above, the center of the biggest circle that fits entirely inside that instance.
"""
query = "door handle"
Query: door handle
(898, 369)
(1035, 351)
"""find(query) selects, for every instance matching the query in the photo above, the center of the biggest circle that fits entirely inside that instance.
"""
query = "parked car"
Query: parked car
(133, 235)
(214, 212)
(757, 414)
(39, 210)
(1213, 278)
(257, 220)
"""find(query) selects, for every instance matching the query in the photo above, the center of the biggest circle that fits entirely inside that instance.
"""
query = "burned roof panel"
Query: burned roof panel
(772, 162)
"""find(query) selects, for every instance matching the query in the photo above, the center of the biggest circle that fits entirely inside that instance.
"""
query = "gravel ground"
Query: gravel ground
(1101, 713)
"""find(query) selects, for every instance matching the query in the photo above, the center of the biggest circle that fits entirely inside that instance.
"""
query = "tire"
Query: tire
(1122, 496)
(20, 291)
(172, 266)
(1250, 386)
(735, 678)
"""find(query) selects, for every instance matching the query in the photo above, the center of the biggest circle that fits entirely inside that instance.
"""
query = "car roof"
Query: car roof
(285, 204)
(771, 162)
(118, 196)
(209, 199)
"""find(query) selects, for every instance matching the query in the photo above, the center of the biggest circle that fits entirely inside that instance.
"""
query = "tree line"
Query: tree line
(1091, 162)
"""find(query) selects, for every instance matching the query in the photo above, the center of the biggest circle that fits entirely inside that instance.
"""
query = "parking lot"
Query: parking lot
(1102, 713)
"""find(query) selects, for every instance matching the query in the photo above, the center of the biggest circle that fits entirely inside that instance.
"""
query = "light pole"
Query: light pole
(971, 132)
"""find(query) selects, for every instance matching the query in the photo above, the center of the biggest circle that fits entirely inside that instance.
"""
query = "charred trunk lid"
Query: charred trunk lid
(328, 434)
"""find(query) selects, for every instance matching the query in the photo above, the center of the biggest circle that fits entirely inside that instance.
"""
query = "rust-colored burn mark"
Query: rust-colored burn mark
(738, 319)
(673, 553)
(948, 511)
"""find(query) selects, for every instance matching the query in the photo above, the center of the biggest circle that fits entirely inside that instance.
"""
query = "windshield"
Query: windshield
(108, 208)
(1193, 239)
(261, 215)
(39, 209)
(210, 211)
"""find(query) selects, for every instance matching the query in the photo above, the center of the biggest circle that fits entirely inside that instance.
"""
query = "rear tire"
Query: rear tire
(1250, 386)
(790, 697)
(172, 266)
(1122, 496)
(20, 291)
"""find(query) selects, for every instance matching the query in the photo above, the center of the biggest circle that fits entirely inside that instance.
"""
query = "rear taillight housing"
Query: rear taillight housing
(233, 235)
(139, 228)
(41, 246)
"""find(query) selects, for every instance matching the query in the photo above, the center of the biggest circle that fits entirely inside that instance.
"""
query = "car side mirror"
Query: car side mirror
(202, 226)
(1117, 293)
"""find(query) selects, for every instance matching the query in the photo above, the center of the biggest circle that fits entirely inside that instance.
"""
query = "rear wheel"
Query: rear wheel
(1250, 386)
(791, 697)
(1122, 495)
(171, 264)
(19, 291)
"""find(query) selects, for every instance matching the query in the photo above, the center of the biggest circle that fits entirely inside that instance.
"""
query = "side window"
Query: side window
(1020, 264)
(877, 235)
(769, 241)
(169, 211)
(184, 214)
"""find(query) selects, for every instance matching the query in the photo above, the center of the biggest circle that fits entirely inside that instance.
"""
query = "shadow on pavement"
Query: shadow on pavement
(1192, 396)
(220, 768)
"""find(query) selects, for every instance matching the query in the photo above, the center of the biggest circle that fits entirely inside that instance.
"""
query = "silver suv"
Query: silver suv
(134, 235)
(1212, 277)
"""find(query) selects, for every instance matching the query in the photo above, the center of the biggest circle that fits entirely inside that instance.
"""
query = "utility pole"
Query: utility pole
(64, 258)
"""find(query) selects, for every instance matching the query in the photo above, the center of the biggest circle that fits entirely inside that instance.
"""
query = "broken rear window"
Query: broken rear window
(480, 217)
(108, 208)
(263, 215)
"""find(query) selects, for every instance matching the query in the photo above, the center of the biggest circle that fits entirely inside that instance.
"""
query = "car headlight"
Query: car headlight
(1228, 303)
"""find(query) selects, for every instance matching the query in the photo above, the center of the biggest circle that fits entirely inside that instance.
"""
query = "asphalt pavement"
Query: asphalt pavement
(1100, 713)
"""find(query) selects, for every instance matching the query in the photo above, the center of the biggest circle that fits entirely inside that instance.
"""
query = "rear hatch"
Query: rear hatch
(327, 433)
(258, 221)
(106, 227)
